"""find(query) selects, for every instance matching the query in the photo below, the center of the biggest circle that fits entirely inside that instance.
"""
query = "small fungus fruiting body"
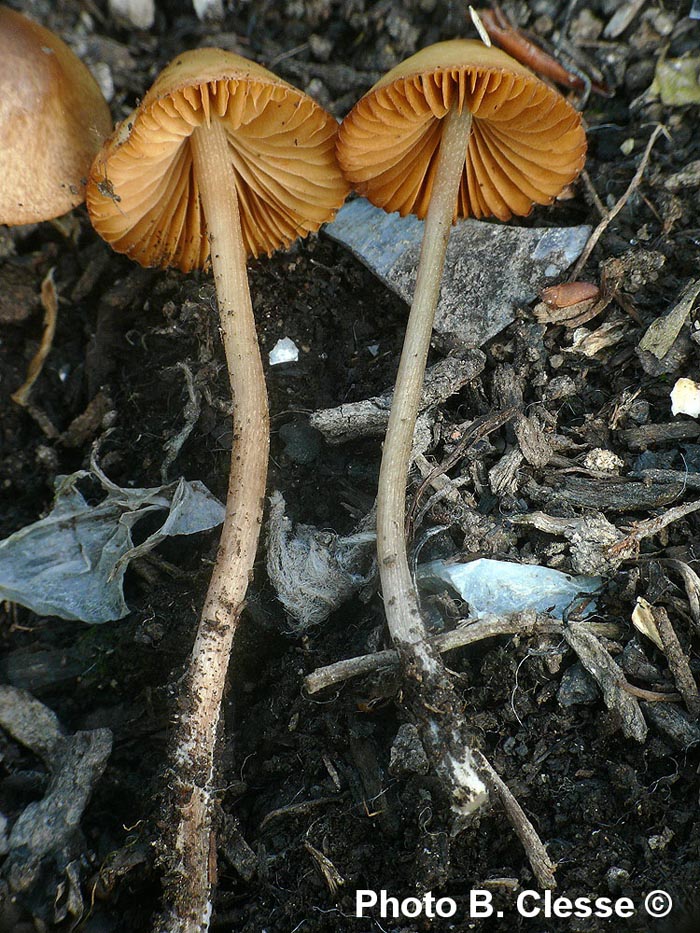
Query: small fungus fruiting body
(526, 142)
(277, 142)
(53, 120)
(222, 160)
(457, 130)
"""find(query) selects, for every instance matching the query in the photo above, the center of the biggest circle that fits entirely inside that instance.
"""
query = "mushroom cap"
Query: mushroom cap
(526, 144)
(143, 197)
(53, 119)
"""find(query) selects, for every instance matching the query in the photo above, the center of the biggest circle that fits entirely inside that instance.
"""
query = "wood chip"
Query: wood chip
(610, 678)
(369, 417)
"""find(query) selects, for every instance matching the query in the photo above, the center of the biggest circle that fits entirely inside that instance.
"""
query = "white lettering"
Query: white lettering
(363, 899)
(523, 898)
(480, 903)
(624, 907)
(386, 902)
(446, 907)
(411, 907)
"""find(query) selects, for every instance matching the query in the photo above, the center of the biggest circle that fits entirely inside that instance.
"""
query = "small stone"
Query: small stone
(577, 687)
(284, 351)
(616, 879)
(102, 73)
(559, 387)
(208, 11)
(321, 47)
(302, 443)
(587, 27)
(639, 411)
(603, 461)
(637, 666)
(137, 13)
(407, 753)
(658, 843)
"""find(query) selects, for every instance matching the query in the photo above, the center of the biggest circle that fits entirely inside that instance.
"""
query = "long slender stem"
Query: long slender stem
(192, 863)
(404, 620)
(431, 697)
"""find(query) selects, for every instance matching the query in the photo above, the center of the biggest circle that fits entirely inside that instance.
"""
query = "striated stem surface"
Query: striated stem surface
(432, 697)
(191, 862)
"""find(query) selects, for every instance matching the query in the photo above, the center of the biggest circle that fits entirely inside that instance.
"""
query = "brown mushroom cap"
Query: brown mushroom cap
(143, 197)
(53, 119)
(526, 145)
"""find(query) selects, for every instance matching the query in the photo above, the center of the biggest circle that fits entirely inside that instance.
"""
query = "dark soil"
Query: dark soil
(303, 776)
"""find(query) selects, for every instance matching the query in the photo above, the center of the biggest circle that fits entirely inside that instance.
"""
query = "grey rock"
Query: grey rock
(407, 753)
(577, 687)
(490, 269)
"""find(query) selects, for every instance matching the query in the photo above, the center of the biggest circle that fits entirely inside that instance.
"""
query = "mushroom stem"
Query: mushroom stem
(436, 707)
(195, 848)
(400, 601)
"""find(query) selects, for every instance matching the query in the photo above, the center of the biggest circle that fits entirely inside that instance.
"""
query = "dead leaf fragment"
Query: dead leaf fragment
(663, 332)
(49, 302)
(643, 620)
(591, 343)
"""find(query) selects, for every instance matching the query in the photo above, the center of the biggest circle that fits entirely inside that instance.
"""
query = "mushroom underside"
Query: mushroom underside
(526, 142)
(143, 194)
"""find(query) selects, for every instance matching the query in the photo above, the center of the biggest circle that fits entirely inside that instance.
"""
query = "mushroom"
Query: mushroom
(456, 130)
(221, 160)
(53, 119)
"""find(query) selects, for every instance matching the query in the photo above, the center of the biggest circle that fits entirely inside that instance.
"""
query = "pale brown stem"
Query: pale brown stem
(405, 622)
(446, 739)
(191, 873)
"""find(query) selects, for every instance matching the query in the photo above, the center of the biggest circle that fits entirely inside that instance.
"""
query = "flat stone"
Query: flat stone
(490, 268)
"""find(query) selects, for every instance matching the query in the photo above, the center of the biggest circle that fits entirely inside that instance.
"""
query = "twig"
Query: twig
(677, 661)
(651, 696)
(612, 214)
(610, 678)
(539, 860)
(369, 417)
(692, 587)
(651, 526)
(192, 411)
(476, 432)
(49, 302)
(521, 623)
(599, 206)
(302, 808)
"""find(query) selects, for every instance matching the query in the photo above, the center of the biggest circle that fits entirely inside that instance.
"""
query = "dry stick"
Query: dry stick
(677, 661)
(525, 624)
(191, 874)
(598, 204)
(431, 695)
(651, 696)
(612, 214)
(539, 860)
(651, 526)
(692, 587)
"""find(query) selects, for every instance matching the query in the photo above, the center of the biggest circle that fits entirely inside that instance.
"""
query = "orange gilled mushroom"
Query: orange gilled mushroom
(53, 119)
(221, 160)
(525, 142)
(456, 130)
